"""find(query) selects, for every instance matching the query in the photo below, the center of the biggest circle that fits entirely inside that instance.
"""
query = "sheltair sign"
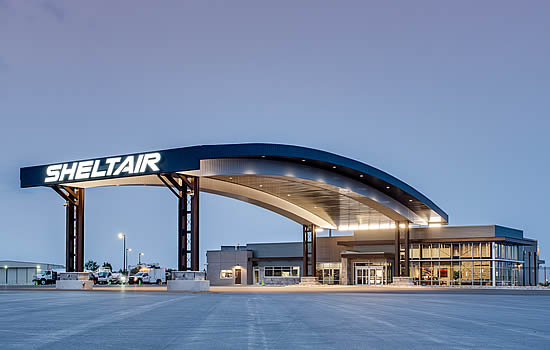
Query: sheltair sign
(99, 168)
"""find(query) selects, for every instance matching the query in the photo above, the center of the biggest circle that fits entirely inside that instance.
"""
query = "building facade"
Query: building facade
(437, 256)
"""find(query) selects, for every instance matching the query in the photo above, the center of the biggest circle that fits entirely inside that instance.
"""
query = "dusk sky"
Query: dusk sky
(450, 97)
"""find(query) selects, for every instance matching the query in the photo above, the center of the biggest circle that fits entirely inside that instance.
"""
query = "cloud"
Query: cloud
(53, 9)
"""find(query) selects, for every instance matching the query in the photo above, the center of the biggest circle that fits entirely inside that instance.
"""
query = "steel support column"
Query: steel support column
(182, 230)
(309, 250)
(195, 225)
(80, 231)
(407, 250)
(69, 237)
(187, 191)
(74, 227)
(397, 252)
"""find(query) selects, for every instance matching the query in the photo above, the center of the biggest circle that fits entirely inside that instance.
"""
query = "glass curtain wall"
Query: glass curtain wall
(449, 264)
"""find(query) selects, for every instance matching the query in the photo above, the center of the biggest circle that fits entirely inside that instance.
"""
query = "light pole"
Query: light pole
(139, 258)
(127, 251)
(123, 237)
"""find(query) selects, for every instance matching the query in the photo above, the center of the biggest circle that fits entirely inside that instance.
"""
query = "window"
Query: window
(456, 273)
(485, 250)
(466, 270)
(486, 272)
(415, 270)
(466, 250)
(476, 250)
(426, 272)
(282, 271)
(414, 251)
(456, 251)
(426, 251)
(226, 274)
(435, 251)
(445, 251)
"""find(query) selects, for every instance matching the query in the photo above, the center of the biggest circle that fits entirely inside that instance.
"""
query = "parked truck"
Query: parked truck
(45, 277)
(150, 275)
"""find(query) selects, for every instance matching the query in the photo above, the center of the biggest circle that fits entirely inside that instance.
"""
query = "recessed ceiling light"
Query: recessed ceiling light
(410, 200)
(261, 185)
(334, 167)
(263, 156)
(388, 187)
(303, 160)
(230, 178)
(361, 175)
(288, 195)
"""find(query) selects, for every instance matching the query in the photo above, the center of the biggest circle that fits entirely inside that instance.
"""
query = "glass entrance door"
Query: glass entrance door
(361, 275)
(366, 275)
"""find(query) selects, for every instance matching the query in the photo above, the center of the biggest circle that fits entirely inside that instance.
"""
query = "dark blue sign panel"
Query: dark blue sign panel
(108, 168)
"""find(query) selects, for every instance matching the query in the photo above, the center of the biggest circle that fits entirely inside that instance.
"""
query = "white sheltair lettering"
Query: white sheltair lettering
(150, 161)
(127, 166)
(138, 163)
(68, 171)
(83, 170)
(96, 172)
(91, 169)
(52, 173)
(112, 162)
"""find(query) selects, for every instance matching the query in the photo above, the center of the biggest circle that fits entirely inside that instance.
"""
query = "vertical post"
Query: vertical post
(80, 231)
(493, 265)
(396, 263)
(69, 236)
(536, 267)
(195, 225)
(124, 254)
(182, 231)
(528, 269)
(305, 251)
(309, 246)
(407, 262)
(188, 222)
(313, 251)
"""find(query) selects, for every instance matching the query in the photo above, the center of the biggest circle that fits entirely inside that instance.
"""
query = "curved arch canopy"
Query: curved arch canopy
(302, 184)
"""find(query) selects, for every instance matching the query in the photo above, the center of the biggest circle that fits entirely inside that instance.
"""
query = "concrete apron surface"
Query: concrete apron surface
(307, 289)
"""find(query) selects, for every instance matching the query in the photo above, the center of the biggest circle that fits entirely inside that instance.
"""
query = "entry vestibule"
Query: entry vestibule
(369, 273)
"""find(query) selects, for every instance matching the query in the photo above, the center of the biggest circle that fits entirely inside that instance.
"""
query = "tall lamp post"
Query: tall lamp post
(127, 251)
(139, 258)
(123, 237)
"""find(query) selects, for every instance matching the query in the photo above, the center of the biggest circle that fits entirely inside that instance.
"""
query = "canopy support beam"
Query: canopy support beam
(74, 227)
(187, 191)
(309, 244)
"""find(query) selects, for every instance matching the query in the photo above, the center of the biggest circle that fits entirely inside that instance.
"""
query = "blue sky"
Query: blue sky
(450, 97)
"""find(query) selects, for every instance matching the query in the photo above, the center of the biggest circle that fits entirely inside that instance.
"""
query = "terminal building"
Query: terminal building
(440, 256)
(399, 234)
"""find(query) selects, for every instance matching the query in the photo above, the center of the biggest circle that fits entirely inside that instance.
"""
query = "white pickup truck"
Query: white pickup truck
(45, 277)
(150, 276)
(108, 277)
